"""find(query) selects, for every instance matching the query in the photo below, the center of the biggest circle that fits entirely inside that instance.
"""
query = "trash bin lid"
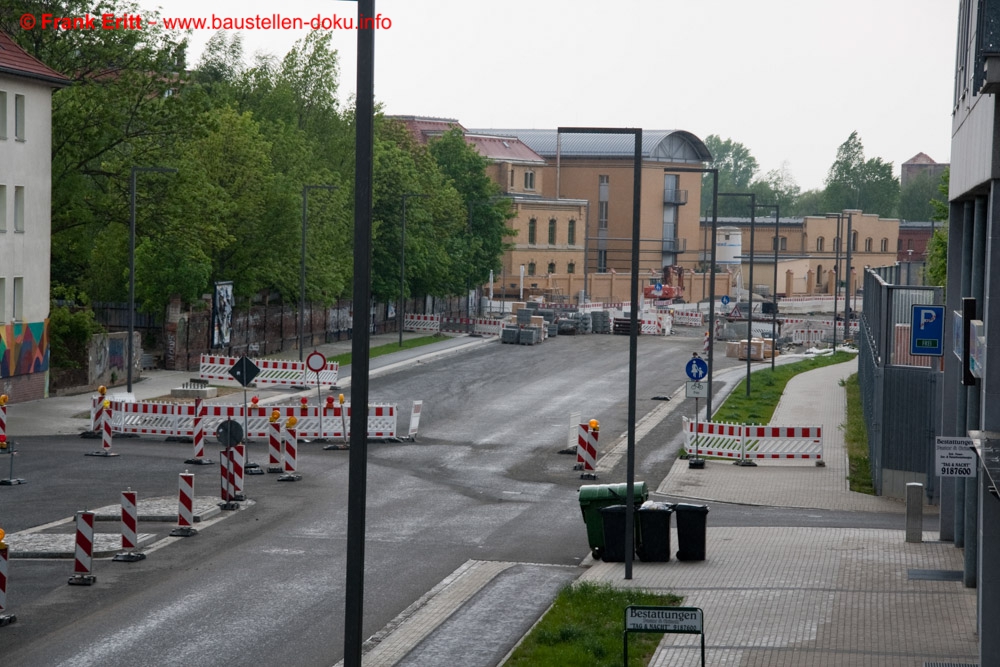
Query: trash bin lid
(592, 492)
(684, 507)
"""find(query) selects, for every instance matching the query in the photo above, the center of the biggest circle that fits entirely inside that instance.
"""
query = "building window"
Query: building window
(3, 208)
(511, 179)
(3, 114)
(820, 242)
(779, 243)
(532, 225)
(529, 180)
(854, 241)
(531, 268)
(18, 299)
(603, 186)
(18, 208)
(552, 231)
(819, 274)
(552, 267)
(19, 117)
(571, 233)
(603, 179)
(899, 245)
(602, 215)
(3, 299)
(885, 245)
(909, 244)
(602, 261)
(571, 268)
(868, 244)
(836, 244)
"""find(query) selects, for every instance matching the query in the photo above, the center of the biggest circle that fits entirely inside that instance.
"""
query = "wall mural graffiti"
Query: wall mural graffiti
(24, 348)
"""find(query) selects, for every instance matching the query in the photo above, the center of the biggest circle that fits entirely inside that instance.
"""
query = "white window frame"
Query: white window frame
(19, 208)
(3, 208)
(19, 117)
(18, 304)
(3, 300)
(3, 114)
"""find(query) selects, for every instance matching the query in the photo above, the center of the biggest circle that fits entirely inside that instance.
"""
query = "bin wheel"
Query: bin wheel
(596, 553)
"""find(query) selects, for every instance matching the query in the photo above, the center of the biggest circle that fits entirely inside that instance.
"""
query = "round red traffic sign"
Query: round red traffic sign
(315, 362)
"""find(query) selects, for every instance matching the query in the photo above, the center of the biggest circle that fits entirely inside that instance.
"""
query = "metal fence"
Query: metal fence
(900, 392)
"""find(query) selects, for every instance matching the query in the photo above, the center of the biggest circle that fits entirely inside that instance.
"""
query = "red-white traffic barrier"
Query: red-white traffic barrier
(272, 371)
(274, 447)
(199, 431)
(130, 524)
(290, 458)
(239, 460)
(413, 322)
(106, 429)
(185, 506)
(5, 619)
(415, 420)
(586, 449)
(84, 553)
(3, 416)
(748, 442)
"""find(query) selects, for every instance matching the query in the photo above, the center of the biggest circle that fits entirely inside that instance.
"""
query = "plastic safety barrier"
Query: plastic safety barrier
(747, 442)
(272, 372)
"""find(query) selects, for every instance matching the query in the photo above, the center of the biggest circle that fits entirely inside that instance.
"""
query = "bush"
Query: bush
(70, 331)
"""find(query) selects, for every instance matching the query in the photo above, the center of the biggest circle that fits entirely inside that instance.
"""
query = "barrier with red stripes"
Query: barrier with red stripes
(289, 458)
(456, 324)
(3, 415)
(130, 524)
(688, 318)
(586, 448)
(414, 420)
(5, 619)
(744, 442)
(178, 420)
(272, 372)
(238, 454)
(106, 430)
(431, 323)
(486, 327)
(274, 446)
(84, 553)
(185, 506)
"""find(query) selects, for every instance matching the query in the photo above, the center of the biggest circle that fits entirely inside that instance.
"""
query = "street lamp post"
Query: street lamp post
(847, 271)
(711, 271)
(774, 294)
(302, 262)
(402, 265)
(753, 211)
(836, 272)
(131, 265)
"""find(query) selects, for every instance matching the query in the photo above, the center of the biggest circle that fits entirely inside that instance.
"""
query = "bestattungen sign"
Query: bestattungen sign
(954, 457)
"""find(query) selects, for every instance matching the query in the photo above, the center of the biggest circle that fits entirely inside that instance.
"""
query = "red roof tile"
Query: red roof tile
(16, 61)
(503, 149)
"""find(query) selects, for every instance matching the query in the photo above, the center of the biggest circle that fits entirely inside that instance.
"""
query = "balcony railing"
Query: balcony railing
(675, 197)
(674, 245)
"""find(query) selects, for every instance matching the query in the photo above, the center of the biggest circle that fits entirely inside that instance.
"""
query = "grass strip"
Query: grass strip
(389, 348)
(856, 439)
(584, 627)
(766, 388)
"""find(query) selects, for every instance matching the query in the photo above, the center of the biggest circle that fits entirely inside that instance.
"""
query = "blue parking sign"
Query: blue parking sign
(927, 331)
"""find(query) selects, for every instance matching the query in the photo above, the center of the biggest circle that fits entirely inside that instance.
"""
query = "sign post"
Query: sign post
(682, 620)
(926, 330)
(244, 371)
(696, 370)
(316, 362)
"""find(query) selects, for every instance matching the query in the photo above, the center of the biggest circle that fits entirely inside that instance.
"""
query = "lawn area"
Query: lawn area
(856, 439)
(584, 629)
(766, 388)
(345, 359)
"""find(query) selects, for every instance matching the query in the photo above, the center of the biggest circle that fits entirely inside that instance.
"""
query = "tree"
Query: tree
(856, 183)
(936, 260)
(487, 213)
(737, 168)
(777, 187)
(916, 196)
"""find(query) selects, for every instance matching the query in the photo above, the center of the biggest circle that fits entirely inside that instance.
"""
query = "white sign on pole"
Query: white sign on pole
(664, 619)
(954, 457)
(697, 389)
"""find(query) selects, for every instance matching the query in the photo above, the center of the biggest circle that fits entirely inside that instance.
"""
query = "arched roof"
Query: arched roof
(657, 145)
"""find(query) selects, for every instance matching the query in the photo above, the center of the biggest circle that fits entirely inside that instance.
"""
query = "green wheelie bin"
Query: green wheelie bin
(594, 497)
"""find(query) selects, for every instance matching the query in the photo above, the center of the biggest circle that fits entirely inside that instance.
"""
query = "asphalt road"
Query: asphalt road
(484, 481)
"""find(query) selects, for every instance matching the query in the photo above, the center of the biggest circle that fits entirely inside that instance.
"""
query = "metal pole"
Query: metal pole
(847, 272)
(402, 272)
(357, 467)
(302, 273)
(130, 362)
(774, 294)
(711, 293)
(753, 211)
(836, 272)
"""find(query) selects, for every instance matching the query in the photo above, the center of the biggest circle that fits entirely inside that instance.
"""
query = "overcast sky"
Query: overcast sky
(789, 79)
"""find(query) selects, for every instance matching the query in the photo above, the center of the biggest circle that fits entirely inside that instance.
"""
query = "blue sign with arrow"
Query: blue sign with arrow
(696, 368)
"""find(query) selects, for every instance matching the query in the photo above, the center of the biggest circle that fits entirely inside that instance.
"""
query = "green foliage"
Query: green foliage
(856, 183)
(584, 628)
(737, 167)
(916, 199)
(71, 326)
(936, 262)
(856, 439)
(766, 388)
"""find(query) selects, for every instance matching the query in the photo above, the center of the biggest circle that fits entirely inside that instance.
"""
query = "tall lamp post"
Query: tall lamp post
(402, 265)
(711, 271)
(302, 262)
(836, 272)
(131, 264)
(774, 294)
(753, 211)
